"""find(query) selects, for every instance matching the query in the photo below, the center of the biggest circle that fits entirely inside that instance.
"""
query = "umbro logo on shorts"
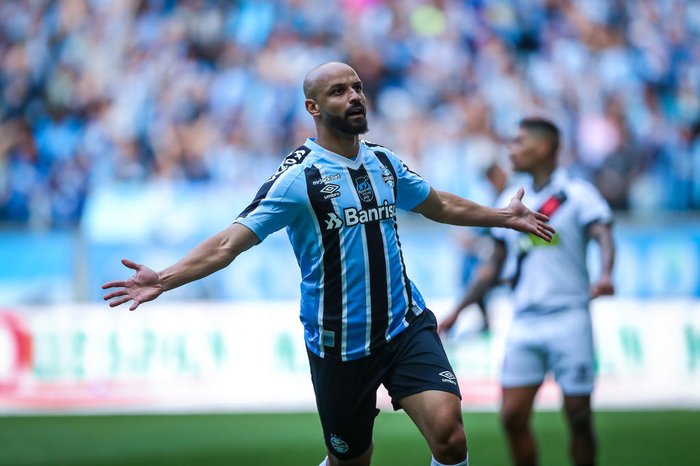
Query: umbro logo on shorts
(448, 377)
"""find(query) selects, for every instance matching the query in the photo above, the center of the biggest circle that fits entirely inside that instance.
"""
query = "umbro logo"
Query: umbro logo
(448, 377)
(330, 188)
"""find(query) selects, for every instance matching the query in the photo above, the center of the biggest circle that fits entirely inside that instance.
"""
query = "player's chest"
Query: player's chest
(362, 186)
(348, 197)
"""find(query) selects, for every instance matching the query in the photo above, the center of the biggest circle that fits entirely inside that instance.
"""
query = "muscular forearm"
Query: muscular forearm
(455, 210)
(209, 256)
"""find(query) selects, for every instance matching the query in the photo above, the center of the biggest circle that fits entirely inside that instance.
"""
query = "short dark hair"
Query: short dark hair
(543, 128)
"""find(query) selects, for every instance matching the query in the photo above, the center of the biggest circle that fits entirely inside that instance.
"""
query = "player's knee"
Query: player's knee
(363, 460)
(580, 417)
(449, 441)
(514, 419)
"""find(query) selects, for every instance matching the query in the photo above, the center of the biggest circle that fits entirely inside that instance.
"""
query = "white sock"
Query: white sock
(435, 462)
(324, 462)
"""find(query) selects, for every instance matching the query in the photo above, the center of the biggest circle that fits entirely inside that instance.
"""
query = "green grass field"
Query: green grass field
(626, 438)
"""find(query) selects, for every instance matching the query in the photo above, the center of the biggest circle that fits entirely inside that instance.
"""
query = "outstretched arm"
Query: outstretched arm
(206, 258)
(602, 233)
(486, 276)
(448, 208)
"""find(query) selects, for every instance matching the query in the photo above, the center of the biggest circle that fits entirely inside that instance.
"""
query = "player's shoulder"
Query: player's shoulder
(377, 147)
(581, 188)
(292, 164)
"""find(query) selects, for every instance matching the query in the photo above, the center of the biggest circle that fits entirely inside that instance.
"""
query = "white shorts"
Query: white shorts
(561, 342)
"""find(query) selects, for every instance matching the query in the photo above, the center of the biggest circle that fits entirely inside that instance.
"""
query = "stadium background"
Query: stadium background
(137, 128)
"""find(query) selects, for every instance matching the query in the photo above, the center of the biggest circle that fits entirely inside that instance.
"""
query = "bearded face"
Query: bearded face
(353, 122)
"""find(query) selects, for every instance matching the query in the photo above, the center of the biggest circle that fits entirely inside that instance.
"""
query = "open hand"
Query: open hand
(527, 221)
(143, 286)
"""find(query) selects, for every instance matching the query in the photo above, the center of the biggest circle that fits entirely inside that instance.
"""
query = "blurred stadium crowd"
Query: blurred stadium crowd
(95, 92)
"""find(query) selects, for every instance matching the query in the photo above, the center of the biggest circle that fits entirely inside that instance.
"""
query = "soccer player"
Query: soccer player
(551, 327)
(365, 323)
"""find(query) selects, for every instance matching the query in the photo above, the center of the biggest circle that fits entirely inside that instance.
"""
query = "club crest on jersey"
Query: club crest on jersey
(364, 189)
(387, 177)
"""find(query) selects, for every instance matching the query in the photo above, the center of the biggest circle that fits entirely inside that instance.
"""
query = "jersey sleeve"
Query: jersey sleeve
(411, 188)
(592, 206)
(276, 205)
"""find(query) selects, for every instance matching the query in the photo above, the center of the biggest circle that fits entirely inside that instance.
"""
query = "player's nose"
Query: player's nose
(355, 96)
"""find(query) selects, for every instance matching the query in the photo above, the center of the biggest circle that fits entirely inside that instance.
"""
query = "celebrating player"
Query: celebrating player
(365, 323)
(551, 328)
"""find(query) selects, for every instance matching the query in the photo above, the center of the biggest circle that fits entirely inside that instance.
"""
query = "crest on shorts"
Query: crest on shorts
(364, 189)
(338, 444)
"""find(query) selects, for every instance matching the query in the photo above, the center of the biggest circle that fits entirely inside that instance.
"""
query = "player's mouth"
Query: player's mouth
(358, 110)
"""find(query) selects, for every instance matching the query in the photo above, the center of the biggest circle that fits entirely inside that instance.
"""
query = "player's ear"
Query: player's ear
(312, 107)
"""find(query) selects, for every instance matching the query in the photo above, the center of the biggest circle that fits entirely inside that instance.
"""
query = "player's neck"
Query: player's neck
(341, 144)
(542, 177)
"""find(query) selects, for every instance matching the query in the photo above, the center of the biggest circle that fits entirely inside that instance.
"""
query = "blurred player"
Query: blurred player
(551, 328)
(365, 322)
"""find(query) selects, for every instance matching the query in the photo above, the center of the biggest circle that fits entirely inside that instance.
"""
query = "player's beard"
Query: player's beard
(344, 124)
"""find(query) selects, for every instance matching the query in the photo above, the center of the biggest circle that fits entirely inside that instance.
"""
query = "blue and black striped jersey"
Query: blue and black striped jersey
(340, 216)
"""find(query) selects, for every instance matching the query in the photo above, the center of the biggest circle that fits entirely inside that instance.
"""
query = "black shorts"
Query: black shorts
(346, 391)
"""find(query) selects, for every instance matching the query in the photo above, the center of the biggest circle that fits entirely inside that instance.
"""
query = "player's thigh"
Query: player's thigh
(419, 363)
(517, 404)
(437, 414)
(571, 352)
(346, 398)
(421, 381)
(525, 357)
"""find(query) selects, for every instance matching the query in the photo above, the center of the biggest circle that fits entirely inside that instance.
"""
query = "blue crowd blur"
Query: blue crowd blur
(102, 92)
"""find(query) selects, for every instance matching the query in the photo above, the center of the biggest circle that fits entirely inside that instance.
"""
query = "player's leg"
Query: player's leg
(346, 396)
(524, 369)
(438, 416)
(362, 460)
(573, 368)
(516, 411)
(580, 419)
(421, 381)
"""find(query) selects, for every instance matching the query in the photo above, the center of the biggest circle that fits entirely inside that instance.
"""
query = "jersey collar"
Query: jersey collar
(325, 153)
(558, 179)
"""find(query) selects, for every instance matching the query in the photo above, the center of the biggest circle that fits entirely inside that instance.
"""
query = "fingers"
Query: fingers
(544, 234)
(520, 193)
(115, 284)
(120, 283)
(540, 216)
(132, 265)
(134, 306)
(115, 294)
(118, 302)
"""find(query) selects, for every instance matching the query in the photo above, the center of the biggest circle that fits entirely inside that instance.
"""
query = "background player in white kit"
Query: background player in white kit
(551, 328)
